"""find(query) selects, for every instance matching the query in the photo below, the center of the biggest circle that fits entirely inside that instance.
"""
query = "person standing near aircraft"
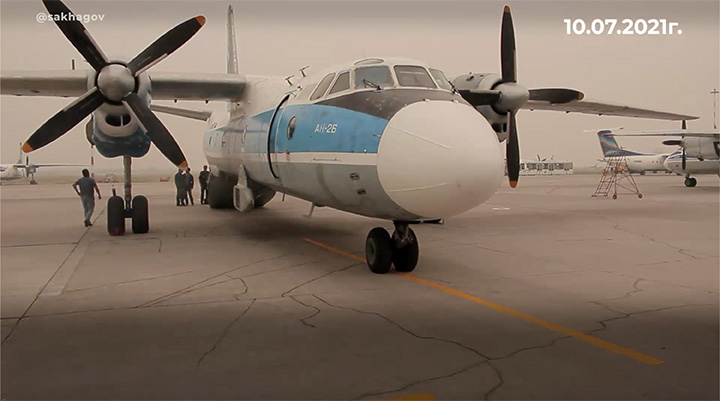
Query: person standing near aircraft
(87, 186)
(203, 177)
(180, 185)
(189, 184)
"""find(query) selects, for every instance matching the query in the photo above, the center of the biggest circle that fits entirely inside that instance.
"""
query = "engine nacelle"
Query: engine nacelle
(702, 148)
(114, 119)
(485, 81)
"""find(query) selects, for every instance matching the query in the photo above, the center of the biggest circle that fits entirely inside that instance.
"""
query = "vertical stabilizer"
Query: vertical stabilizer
(610, 147)
(232, 61)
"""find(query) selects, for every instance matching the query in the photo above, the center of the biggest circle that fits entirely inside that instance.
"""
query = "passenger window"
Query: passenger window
(440, 79)
(342, 83)
(373, 77)
(411, 75)
(322, 86)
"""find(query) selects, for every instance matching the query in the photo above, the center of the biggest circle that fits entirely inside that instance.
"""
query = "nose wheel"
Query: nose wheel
(134, 208)
(401, 249)
(690, 181)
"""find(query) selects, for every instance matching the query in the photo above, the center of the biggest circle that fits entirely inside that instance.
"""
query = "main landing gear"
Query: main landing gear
(690, 181)
(119, 209)
(400, 250)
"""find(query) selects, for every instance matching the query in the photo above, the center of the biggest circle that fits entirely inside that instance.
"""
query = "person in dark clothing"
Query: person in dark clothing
(87, 186)
(203, 178)
(189, 184)
(181, 186)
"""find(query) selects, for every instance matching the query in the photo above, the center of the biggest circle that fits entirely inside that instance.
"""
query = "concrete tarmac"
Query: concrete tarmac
(541, 293)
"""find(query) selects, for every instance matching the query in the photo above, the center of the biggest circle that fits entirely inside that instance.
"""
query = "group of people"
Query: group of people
(185, 182)
(86, 188)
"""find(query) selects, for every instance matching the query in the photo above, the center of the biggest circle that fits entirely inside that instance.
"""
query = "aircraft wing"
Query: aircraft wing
(588, 106)
(675, 132)
(165, 86)
(49, 165)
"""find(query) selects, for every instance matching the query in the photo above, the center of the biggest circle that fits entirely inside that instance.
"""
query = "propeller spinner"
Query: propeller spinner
(116, 83)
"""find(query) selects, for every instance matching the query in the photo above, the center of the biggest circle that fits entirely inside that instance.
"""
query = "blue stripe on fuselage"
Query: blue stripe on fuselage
(318, 128)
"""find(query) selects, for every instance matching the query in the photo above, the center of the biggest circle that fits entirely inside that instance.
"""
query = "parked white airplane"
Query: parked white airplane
(9, 172)
(381, 137)
(700, 151)
(690, 166)
(637, 162)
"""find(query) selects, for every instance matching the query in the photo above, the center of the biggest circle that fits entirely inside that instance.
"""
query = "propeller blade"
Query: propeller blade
(76, 33)
(555, 95)
(513, 151)
(165, 45)
(64, 120)
(672, 142)
(155, 130)
(508, 61)
(684, 160)
(477, 97)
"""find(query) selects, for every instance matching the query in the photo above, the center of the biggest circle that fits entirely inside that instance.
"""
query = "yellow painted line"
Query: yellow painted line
(331, 249)
(627, 352)
(422, 396)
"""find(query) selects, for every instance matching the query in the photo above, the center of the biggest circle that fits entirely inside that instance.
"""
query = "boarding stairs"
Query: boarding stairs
(616, 179)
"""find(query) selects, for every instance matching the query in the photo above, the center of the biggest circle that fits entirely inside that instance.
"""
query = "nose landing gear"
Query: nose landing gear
(401, 250)
(690, 181)
(135, 208)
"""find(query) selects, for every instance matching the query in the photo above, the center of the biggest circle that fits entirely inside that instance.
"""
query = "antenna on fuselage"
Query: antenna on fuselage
(302, 70)
(288, 80)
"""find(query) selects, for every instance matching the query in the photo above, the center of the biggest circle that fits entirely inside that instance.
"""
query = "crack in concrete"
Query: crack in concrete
(223, 334)
(283, 268)
(225, 273)
(32, 245)
(628, 294)
(680, 250)
(126, 282)
(655, 281)
(485, 358)
(305, 319)
(626, 315)
(318, 278)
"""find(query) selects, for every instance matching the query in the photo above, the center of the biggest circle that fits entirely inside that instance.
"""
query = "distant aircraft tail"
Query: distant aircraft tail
(610, 147)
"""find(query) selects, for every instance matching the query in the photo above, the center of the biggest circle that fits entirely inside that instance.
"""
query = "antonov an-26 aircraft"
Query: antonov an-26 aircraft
(388, 138)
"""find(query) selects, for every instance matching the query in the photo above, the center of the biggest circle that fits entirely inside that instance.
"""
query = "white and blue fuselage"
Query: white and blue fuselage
(402, 148)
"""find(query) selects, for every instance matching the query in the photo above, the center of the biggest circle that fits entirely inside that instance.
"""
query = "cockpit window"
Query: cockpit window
(411, 75)
(322, 86)
(2, 169)
(342, 83)
(373, 77)
(440, 79)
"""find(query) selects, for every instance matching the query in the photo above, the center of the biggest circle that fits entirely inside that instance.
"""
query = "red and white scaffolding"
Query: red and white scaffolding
(617, 179)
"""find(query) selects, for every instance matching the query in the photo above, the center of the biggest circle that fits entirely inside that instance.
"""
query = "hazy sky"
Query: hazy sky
(671, 73)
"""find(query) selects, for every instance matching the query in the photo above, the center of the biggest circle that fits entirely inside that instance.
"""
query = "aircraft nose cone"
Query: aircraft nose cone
(438, 159)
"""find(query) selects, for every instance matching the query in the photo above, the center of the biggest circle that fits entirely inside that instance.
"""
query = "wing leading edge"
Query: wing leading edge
(165, 86)
(587, 106)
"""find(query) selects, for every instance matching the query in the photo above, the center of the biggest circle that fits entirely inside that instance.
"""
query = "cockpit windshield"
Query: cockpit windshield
(411, 75)
(2, 169)
(373, 77)
(440, 79)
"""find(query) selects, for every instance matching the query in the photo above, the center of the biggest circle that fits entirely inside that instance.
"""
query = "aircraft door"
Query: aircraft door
(273, 132)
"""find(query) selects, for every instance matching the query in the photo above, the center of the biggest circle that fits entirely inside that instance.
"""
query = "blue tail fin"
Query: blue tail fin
(610, 147)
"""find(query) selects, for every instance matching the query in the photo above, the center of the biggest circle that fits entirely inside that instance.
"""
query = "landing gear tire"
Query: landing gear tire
(116, 215)
(690, 182)
(405, 259)
(379, 250)
(140, 221)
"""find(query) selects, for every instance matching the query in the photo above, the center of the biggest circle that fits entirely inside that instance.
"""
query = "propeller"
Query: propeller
(684, 159)
(518, 95)
(507, 96)
(115, 84)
